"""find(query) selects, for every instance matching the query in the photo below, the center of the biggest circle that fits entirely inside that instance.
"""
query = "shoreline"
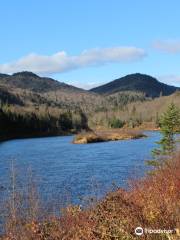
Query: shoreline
(52, 134)
(29, 136)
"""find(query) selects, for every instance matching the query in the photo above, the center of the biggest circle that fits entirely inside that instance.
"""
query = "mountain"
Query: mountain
(30, 90)
(3, 75)
(39, 105)
(137, 82)
(30, 81)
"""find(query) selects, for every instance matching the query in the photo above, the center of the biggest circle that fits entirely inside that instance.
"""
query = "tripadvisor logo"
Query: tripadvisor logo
(139, 231)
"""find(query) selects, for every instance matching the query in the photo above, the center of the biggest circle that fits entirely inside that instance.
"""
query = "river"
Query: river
(74, 172)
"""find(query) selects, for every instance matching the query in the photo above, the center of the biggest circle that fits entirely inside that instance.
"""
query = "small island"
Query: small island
(107, 135)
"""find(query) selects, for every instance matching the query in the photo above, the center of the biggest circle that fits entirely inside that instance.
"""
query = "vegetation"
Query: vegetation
(142, 114)
(35, 106)
(27, 94)
(13, 125)
(169, 126)
(105, 136)
(152, 202)
(116, 123)
(121, 99)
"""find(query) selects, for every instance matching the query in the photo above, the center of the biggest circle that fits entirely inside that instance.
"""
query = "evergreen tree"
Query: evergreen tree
(65, 121)
(116, 123)
(169, 126)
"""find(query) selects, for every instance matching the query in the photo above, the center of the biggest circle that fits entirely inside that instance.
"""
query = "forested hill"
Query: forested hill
(30, 81)
(137, 82)
(37, 106)
(28, 89)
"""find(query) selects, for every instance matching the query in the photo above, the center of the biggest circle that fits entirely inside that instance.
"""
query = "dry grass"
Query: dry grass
(107, 135)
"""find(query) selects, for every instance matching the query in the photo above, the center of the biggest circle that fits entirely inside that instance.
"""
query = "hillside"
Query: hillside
(28, 96)
(136, 113)
(30, 81)
(137, 82)
(32, 106)
(31, 90)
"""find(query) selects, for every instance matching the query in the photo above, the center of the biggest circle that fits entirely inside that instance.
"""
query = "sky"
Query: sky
(90, 42)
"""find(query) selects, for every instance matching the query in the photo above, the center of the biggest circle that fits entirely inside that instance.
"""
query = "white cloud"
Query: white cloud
(86, 86)
(170, 79)
(62, 62)
(168, 46)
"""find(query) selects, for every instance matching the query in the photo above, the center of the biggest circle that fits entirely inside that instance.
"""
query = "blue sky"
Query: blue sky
(87, 43)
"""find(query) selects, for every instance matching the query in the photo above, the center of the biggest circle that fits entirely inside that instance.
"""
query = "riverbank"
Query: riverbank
(31, 135)
(8, 137)
(107, 135)
(91, 136)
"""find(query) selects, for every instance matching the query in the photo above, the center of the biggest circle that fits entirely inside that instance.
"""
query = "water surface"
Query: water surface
(63, 168)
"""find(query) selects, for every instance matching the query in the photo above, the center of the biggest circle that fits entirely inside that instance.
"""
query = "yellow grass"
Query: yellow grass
(107, 135)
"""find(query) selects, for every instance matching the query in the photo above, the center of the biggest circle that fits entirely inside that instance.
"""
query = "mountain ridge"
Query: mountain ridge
(31, 81)
(137, 82)
(28, 89)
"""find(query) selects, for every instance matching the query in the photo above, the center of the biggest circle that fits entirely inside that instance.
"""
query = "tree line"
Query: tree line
(13, 124)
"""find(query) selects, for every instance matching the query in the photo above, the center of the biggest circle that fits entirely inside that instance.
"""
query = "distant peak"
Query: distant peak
(26, 74)
(2, 75)
(143, 83)
(139, 75)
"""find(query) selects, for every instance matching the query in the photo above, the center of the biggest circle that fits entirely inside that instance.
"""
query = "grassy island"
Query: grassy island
(107, 135)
